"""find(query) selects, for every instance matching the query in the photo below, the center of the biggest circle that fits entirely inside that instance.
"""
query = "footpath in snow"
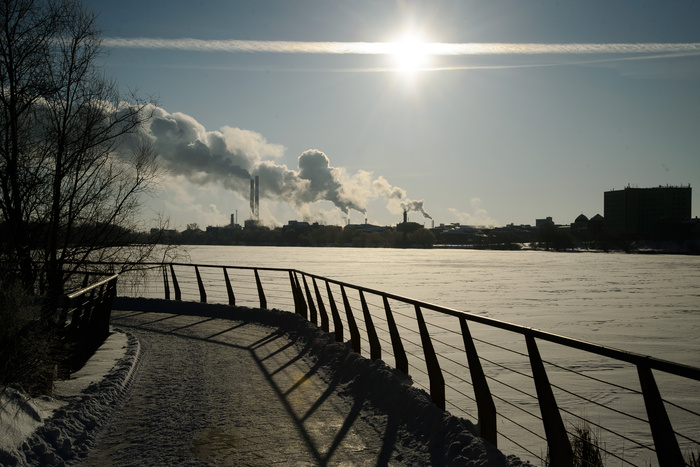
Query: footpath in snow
(196, 384)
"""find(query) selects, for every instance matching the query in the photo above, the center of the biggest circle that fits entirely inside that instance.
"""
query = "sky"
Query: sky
(476, 112)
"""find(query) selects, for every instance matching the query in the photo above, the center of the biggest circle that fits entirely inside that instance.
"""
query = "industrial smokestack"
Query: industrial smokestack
(257, 198)
(405, 216)
(252, 198)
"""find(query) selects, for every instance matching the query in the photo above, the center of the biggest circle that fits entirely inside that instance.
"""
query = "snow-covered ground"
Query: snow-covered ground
(50, 431)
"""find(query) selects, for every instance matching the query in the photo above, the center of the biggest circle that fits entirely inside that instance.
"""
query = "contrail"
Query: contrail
(390, 48)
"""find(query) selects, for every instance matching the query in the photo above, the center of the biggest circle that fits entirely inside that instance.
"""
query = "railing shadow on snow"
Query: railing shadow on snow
(273, 358)
(471, 362)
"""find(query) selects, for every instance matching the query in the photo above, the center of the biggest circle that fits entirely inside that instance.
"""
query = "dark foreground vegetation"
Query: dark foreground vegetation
(73, 167)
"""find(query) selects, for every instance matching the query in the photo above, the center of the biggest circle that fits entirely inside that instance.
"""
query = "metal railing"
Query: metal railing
(487, 370)
(84, 319)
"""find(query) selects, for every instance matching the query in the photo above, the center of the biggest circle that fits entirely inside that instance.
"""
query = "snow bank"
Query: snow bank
(388, 394)
(54, 430)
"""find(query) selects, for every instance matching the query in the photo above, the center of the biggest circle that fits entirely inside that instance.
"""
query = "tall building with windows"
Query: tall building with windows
(644, 211)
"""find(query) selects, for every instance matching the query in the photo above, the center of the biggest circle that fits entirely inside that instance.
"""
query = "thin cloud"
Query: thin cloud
(389, 48)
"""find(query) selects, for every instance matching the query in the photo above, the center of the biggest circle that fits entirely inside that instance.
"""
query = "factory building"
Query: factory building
(645, 211)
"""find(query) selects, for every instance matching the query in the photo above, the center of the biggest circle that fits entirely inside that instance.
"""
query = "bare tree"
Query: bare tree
(74, 164)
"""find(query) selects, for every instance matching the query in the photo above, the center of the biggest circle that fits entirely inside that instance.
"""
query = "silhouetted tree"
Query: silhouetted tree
(422, 237)
(552, 238)
(73, 163)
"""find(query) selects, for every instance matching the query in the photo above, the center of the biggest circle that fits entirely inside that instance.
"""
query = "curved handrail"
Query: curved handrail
(665, 443)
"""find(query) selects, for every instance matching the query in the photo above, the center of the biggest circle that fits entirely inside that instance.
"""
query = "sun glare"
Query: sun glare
(410, 54)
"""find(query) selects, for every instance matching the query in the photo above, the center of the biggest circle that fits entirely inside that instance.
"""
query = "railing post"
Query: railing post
(104, 312)
(312, 308)
(352, 325)
(484, 400)
(202, 293)
(667, 451)
(261, 292)
(178, 294)
(76, 315)
(63, 317)
(302, 308)
(86, 309)
(560, 452)
(337, 323)
(111, 295)
(321, 307)
(229, 289)
(375, 348)
(437, 381)
(396, 344)
(295, 291)
(166, 286)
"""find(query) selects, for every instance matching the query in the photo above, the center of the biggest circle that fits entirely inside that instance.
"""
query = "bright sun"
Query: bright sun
(410, 54)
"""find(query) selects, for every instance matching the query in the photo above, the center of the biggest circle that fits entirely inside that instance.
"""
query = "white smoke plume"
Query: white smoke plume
(477, 217)
(398, 202)
(410, 206)
(232, 156)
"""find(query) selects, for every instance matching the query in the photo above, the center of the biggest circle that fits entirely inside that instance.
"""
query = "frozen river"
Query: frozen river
(642, 303)
(647, 304)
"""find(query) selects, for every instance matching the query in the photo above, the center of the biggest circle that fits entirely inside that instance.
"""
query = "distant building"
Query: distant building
(644, 211)
(294, 224)
(544, 222)
(596, 224)
(580, 224)
(164, 232)
(252, 224)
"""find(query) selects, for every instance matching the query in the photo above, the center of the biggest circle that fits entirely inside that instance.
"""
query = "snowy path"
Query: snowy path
(220, 389)
(227, 392)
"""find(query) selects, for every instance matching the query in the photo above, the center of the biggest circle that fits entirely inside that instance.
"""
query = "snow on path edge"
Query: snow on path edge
(68, 435)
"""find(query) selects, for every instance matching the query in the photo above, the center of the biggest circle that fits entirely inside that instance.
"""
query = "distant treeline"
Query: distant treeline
(550, 237)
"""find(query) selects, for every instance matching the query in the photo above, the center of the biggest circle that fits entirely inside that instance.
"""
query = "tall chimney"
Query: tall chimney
(252, 198)
(257, 198)
(405, 216)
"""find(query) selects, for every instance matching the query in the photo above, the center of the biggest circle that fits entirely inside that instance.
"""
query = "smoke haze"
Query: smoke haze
(231, 156)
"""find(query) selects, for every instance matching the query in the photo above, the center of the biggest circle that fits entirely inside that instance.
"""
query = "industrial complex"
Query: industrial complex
(658, 217)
